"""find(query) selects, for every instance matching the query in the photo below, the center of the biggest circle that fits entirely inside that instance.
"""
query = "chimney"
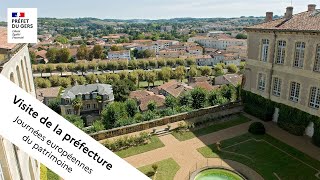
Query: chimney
(289, 12)
(311, 7)
(269, 16)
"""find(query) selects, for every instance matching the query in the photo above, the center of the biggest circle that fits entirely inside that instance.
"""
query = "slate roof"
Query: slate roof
(101, 89)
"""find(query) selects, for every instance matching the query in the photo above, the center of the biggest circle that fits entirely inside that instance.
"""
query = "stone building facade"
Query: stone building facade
(284, 59)
(15, 64)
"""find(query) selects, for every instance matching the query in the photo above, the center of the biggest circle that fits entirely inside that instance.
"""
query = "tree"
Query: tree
(161, 63)
(153, 63)
(190, 61)
(64, 82)
(165, 74)
(82, 67)
(148, 53)
(61, 68)
(91, 78)
(232, 68)
(218, 70)
(242, 65)
(123, 65)
(141, 74)
(151, 77)
(75, 120)
(229, 92)
(50, 68)
(63, 55)
(77, 105)
(61, 39)
(205, 71)
(55, 80)
(133, 64)
(185, 99)
(112, 65)
(131, 107)
(115, 48)
(102, 65)
(123, 74)
(71, 67)
(121, 89)
(198, 98)
(97, 51)
(52, 55)
(180, 73)
(112, 113)
(152, 106)
(143, 64)
(82, 52)
(192, 72)
(171, 62)
(170, 102)
(133, 76)
(54, 104)
(42, 83)
(241, 36)
(92, 65)
(97, 126)
(41, 68)
(181, 62)
(111, 78)
(32, 56)
(215, 97)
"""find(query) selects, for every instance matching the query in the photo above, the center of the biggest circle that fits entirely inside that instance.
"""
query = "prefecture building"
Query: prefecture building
(15, 65)
(284, 59)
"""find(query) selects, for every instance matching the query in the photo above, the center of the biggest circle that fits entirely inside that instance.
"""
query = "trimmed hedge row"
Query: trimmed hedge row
(290, 119)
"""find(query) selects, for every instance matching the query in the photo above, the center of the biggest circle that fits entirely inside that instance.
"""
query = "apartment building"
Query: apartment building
(15, 65)
(124, 54)
(284, 59)
(217, 43)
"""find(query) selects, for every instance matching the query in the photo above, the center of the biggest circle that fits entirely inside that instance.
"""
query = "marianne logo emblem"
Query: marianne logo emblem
(18, 15)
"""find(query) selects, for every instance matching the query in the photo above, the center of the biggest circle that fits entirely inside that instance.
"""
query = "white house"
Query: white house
(124, 54)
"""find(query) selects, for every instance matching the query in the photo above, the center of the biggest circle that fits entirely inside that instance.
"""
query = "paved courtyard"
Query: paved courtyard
(186, 155)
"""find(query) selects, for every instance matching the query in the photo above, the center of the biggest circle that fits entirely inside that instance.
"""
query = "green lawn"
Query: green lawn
(166, 169)
(154, 144)
(266, 157)
(182, 136)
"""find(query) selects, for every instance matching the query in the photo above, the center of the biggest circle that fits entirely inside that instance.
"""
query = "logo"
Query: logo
(15, 15)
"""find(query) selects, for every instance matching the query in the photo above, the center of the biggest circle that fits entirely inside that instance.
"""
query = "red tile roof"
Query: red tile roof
(305, 21)
(4, 40)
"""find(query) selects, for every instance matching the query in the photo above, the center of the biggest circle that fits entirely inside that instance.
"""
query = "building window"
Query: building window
(299, 55)
(69, 111)
(315, 98)
(264, 50)
(261, 82)
(281, 52)
(317, 62)
(88, 106)
(94, 105)
(276, 86)
(294, 91)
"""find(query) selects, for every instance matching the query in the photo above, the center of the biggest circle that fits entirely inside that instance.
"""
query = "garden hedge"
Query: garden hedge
(257, 128)
(290, 119)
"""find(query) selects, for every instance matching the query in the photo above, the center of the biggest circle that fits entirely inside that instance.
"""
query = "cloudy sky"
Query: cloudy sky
(154, 9)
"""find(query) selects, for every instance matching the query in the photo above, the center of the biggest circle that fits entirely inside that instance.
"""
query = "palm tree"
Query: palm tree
(77, 105)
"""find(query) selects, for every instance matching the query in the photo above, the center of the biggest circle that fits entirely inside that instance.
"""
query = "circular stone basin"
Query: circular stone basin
(218, 174)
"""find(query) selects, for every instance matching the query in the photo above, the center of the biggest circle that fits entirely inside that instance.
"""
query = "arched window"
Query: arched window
(24, 76)
(28, 77)
(19, 76)
(12, 78)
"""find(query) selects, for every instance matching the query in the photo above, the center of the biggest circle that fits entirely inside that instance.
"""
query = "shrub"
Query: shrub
(126, 142)
(257, 128)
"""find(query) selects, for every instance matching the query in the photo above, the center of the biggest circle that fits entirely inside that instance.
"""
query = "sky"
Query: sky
(154, 9)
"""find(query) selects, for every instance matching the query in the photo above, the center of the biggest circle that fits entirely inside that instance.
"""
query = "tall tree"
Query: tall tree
(82, 52)
(77, 105)
(52, 54)
(180, 73)
(61, 68)
(63, 55)
(151, 77)
(97, 51)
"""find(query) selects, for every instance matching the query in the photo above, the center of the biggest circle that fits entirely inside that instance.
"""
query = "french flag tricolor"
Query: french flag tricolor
(16, 14)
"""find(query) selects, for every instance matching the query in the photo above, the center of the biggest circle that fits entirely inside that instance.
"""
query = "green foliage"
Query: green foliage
(97, 126)
(205, 71)
(131, 107)
(215, 97)
(198, 98)
(241, 36)
(61, 39)
(97, 51)
(51, 175)
(171, 101)
(75, 120)
(82, 52)
(257, 128)
(185, 99)
(149, 115)
(113, 112)
(43, 172)
(54, 104)
(122, 88)
(232, 68)
(229, 92)
(126, 142)
(152, 106)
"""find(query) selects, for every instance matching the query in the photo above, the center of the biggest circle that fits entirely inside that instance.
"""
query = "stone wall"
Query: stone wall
(193, 116)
